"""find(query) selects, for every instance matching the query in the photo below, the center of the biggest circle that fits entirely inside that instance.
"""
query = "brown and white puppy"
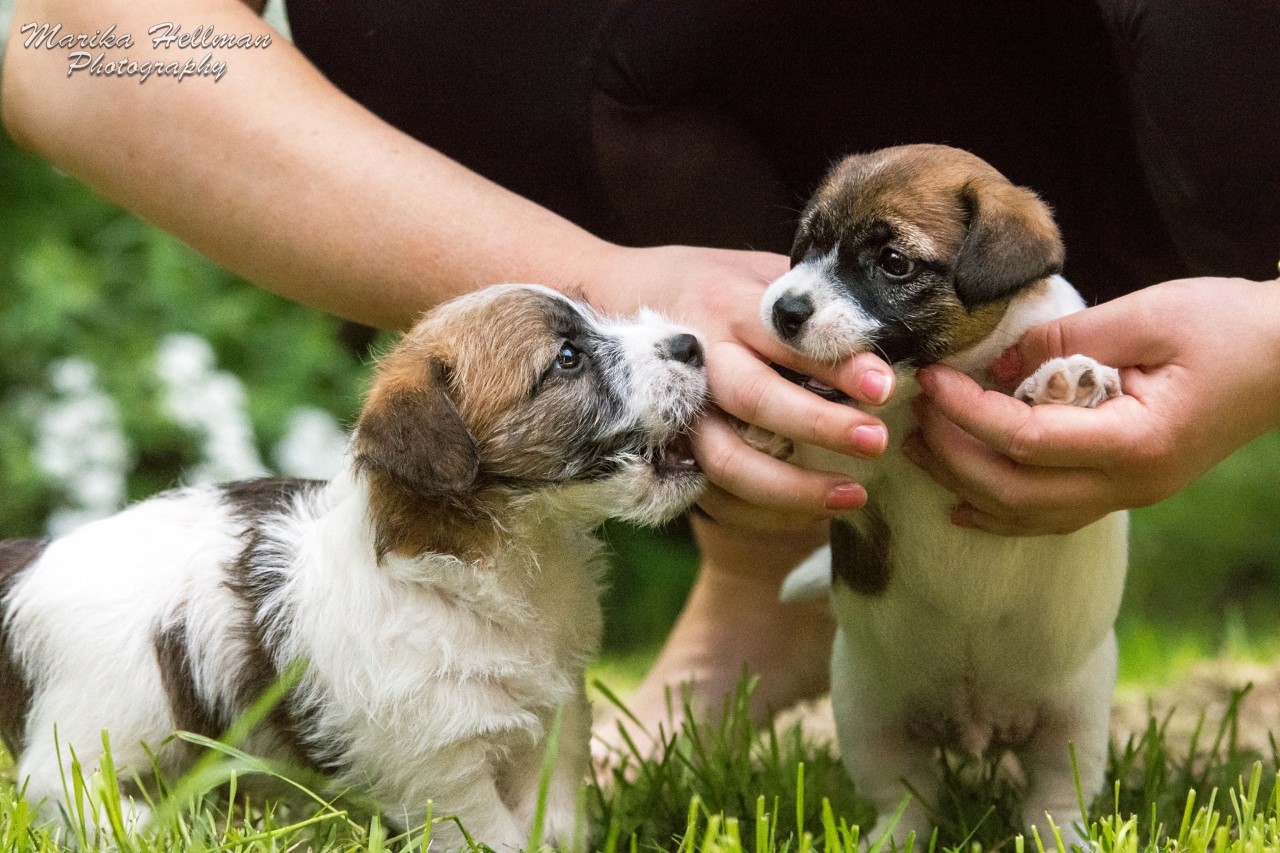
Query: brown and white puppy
(442, 589)
(949, 638)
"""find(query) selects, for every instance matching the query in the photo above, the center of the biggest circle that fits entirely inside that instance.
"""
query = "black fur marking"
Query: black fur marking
(15, 690)
(860, 555)
(190, 710)
(255, 576)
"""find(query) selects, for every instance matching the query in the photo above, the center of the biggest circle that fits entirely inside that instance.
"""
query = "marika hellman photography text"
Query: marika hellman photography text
(88, 53)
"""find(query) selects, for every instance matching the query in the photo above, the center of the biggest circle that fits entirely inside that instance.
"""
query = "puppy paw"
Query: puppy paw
(1076, 380)
(777, 446)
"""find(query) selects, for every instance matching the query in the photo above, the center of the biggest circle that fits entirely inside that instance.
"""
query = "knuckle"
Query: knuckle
(826, 427)
(750, 395)
(718, 459)
(1024, 442)
(1008, 497)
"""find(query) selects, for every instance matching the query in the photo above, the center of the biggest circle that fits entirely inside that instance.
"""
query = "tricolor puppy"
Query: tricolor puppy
(442, 589)
(949, 638)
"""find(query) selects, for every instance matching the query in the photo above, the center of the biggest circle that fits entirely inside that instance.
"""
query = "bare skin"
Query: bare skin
(278, 176)
(1198, 360)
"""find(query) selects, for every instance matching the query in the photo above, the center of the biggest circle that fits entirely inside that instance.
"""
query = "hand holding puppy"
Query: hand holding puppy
(1198, 363)
(718, 293)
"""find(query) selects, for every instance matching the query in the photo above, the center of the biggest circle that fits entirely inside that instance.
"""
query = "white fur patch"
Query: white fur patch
(838, 325)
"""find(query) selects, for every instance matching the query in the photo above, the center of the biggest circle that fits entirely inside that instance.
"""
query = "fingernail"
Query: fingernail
(846, 496)
(870, 440)
(1007, 366)
(875, 386)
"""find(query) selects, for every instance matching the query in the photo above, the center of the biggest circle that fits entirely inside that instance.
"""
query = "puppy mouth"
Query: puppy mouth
(674, 458)
(808, 383)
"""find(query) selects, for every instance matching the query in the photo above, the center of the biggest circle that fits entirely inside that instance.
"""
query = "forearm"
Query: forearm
(274, 173)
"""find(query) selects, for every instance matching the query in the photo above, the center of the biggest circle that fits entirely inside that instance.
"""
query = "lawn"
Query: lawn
(91, 299)
(722, 787)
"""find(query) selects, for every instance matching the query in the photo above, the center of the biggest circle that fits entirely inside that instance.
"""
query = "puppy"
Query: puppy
(949, 638)
(442, 589)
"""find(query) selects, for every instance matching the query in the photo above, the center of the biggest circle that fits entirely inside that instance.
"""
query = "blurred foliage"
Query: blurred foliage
(80, 277)
(1210, 556)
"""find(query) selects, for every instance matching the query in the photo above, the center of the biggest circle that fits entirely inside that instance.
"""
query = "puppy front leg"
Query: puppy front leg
(1080, 715)
(461, 781)
(572, 760)
(885, 762)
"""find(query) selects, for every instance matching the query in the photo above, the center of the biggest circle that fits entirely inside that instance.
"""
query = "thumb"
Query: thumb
(1120, 333)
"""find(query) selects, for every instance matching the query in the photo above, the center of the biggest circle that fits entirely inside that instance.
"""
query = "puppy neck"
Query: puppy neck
(411, 525)
(477, 527)
(1043, 301)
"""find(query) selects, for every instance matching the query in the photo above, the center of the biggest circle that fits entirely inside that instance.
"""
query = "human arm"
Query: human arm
(275, 174)
(1198, 359)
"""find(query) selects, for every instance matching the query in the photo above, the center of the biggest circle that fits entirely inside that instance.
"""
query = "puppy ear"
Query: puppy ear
(411, 432)
(1012, 241)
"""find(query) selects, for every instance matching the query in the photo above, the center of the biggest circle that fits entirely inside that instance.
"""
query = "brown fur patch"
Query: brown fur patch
(434, 437)
(15, 691)
(190, 712)
(970, 327)
(945, 204)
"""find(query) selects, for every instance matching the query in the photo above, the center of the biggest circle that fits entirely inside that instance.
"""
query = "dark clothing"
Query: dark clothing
(1151, 126)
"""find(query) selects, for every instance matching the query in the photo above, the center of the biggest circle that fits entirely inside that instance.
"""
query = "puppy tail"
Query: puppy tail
(810, 579)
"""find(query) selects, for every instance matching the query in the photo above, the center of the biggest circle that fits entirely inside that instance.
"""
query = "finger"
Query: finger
(733, 512)
(735, 466)
(863, 376)
(1052, 436)
(994, 484)
(994, 518)
(964, 515)
(749, 389)
(1120, 333)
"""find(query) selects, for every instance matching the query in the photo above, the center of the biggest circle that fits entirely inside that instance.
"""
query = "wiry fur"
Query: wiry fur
(949, 637)
(436, 657)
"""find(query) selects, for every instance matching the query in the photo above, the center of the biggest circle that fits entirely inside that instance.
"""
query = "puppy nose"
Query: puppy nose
(789, 314)
(684, 348)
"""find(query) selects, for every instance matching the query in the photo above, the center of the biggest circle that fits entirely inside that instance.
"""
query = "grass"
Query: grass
(726, 787)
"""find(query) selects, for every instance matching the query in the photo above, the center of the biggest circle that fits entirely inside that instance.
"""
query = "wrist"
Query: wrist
(623, 279)
(597, 270)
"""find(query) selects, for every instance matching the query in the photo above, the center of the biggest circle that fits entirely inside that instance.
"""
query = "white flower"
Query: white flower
(80, 447)
(212, 404)
(313, 445)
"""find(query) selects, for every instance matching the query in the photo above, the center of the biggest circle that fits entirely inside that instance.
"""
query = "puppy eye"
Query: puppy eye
(569, 357)
(894, 263)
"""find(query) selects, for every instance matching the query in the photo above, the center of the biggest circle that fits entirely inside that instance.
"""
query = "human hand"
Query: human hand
(717, 292)
(1198, 359)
